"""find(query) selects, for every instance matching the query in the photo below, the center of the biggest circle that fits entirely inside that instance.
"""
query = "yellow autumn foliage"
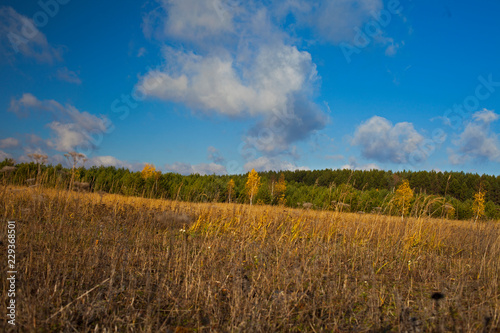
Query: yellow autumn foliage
(478, 205)
(149, 171)
(252, 184)
(403, 197)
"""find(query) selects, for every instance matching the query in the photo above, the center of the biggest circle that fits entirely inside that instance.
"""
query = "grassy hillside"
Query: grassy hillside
(90, 261)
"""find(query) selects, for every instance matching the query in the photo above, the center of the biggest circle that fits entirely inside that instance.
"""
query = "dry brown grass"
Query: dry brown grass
(95, 262)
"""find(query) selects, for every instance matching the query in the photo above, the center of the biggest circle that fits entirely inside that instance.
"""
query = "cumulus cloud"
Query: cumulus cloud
(477, 142)
(265, 163)
(70, 127)
(188, 19)
(9, 143)
(382, 141)
(212, 83)
(201, 169)
(67, 136)
(64, 74)
(18, 34)
(250, 69)
(275, 133)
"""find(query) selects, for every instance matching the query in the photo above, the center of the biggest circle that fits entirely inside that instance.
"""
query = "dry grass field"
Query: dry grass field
(91, 262)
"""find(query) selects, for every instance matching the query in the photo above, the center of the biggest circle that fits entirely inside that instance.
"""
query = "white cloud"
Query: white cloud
(358, 23)
(18, 34)
(9, 143)
(164, 86)
(202, 168)
(67, 136)
(247, 68)
(477, 142)
(64, 74)
(71, 128)
(382, 141)
(188, 19)
(4, 155)
(353, 165)
(365, 167)
(212, 83)
(335, 21)
(114, 162)
(485, 116)
(264, 163)
(25, 102)
(276, 132)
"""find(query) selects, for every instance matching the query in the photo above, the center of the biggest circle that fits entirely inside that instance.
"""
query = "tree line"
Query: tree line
(437, 194)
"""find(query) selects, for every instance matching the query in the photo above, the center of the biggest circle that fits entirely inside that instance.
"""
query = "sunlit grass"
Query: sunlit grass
(134, 264)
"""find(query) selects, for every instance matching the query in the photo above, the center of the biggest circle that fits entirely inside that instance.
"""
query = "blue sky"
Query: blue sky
(224, 86)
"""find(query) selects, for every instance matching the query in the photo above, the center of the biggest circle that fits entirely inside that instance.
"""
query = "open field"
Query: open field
(90, 262)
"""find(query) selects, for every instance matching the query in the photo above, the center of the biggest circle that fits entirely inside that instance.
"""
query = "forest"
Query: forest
(436, 194)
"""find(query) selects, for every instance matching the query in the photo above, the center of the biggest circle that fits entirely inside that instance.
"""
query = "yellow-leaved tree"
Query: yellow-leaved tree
(281, 189)
(478, 205)
(230, 189)
(403, 197)
(253, 184)
(149, 171)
